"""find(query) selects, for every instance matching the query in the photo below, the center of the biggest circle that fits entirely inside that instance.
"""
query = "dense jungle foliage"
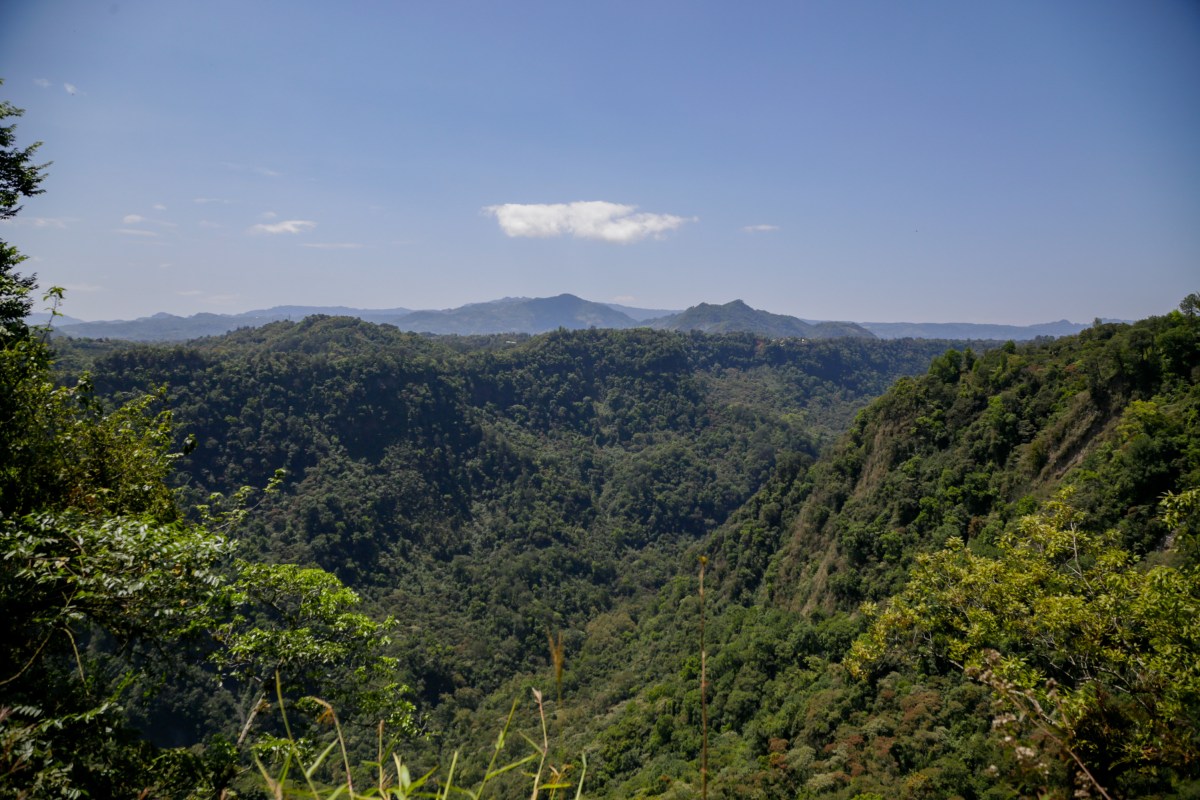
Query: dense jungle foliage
(982, 584)
(493, 493)
(109, 591)
(1007, 666)
(484, 491)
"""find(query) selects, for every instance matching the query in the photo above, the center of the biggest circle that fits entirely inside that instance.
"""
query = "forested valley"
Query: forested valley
(328, 558)
(483, 491)
(508, 506)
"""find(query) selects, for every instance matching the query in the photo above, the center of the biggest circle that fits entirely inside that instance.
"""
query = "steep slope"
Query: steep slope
(960, 452)
(979, 440)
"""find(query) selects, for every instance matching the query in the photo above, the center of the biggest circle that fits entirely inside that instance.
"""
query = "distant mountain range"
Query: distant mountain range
(971, 330)
(518, 315)
(541, 314)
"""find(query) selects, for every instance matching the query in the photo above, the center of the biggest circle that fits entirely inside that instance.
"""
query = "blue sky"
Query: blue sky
(876, 161)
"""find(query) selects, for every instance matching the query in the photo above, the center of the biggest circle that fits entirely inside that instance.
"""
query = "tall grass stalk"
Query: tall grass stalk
(544, 749)
(556, 656)
(399, 785)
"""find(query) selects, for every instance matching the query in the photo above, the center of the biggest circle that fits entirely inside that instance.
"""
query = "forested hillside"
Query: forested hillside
(493, 494)
(1106, 423)
(488, 490)
(110, 591)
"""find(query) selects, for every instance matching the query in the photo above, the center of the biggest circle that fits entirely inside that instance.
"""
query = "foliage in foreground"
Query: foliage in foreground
(108, 593)
(1093, 658)
(298, 766)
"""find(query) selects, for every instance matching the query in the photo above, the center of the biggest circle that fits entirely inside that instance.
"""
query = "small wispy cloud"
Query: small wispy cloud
(135, 232)
(203, 200)
(332, 245)
(159, 207)
(36, 222)
(287, 226)
(588, 219)
(71, 88)
(138, 219)
(760, 228)
(190, 293)
(42, 82)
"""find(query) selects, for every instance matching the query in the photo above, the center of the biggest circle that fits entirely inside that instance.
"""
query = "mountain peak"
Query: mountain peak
(736, 315)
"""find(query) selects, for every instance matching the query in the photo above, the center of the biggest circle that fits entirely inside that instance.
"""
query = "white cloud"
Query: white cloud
(591, 219)
(37, 222)
(287, 226)
(42, 82)
(71, 88)
(159, 207)
(189, 293)
(760, 228)
(269, 215)
(134, 232)
(333, 245)
(203, 200)
(138, 219)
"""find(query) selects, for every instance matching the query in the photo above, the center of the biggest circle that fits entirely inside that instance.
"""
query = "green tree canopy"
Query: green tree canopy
(105, 585)
(1094, 657)
(19, 177)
